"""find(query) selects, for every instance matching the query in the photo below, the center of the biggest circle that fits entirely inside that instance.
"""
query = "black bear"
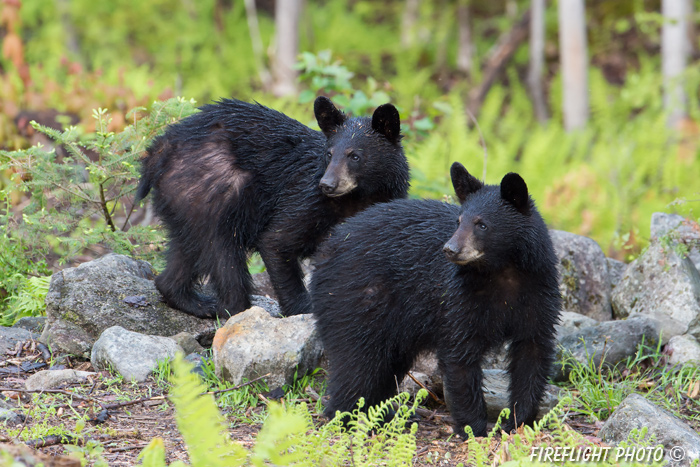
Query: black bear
(237, 177)
(411, 275)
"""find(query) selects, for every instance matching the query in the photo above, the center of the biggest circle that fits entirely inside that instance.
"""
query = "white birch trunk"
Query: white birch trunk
(674, 56)
(287, 15)
(408, 23)
(534, 75)
(465, 50)
(573, 55)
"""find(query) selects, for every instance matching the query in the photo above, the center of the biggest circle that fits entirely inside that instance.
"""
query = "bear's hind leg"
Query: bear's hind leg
(288, 281)
(177, 284)
(232, 281)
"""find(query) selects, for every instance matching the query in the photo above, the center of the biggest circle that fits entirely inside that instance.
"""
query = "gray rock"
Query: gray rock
(410, 386)
(7, 404)
(616, 270)
(188, 343)
(253, 343)
(131, 354)
(635, 412)
(571, 322)
(198, 361)
(33, 324)
(427, 363)
(9, 337)
(268, 304)
(114, 290)
(48, 379)
(663, 224)
(496, 358)
(583, 275)
(664, 286)
(609, 342)
(10, 418)
(678, 230)
(683, 349)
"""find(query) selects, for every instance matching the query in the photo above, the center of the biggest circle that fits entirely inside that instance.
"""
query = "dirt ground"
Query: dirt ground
(125, 428)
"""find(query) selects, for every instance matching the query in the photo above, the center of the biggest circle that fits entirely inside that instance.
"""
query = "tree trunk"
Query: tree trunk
(465, 49)
(534, 75)
(287, 15)
(573, 55)
(408, 23)
(256, 41)
(72, 44)
(674, 56)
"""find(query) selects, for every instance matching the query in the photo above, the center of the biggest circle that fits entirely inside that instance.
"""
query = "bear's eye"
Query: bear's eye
(354, 157)
(481, 226)
(329, 155)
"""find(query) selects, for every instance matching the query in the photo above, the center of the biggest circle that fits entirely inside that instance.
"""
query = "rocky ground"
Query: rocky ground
(108, 317)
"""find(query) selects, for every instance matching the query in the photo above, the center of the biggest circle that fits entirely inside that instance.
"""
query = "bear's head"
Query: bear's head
(494, 221)
(362, 155)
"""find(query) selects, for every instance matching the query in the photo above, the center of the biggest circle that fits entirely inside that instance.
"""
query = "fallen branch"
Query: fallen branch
(52, 391)
(128, 448)
(503, 52)
(53, 440)
(133, 402)
(432, 394)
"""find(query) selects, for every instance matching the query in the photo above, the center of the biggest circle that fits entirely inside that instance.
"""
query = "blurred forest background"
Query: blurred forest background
(594, 103)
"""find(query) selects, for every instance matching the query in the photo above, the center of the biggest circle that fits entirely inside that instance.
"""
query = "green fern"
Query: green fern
(27, 300)
(288, 435)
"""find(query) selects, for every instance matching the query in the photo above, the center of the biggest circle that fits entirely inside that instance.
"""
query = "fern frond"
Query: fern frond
(195, 416)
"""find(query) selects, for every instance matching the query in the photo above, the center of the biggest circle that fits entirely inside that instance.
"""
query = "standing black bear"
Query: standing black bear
(237, 177)
(386, 292)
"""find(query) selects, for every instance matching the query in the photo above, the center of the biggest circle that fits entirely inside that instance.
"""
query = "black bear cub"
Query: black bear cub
(408, 276)
(237, 177)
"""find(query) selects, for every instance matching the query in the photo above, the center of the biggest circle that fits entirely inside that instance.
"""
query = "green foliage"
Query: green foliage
(288, 435)
(331, 77)
(28, 299)
(79, 199)
(527, 446)
(597, 390)
(626, 160)
(200, 422)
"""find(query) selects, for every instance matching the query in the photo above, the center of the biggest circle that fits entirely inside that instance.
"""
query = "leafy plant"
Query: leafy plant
(326, 76)
(598, 390)
(288, 435)
(28, 300)
(79, 195)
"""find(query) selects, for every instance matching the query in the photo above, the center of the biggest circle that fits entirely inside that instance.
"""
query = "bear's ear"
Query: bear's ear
(514, 190)
(386, 121)
(464, 183)
(328, 117)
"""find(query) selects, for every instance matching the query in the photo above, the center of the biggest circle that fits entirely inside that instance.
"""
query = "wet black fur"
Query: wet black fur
(386, 292)
(238, 177)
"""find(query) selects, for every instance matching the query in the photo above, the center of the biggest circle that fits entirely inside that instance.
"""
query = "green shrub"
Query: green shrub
(76, 200)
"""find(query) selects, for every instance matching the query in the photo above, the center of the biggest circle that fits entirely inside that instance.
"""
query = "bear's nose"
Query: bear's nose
(450, 249)
(327, 187)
